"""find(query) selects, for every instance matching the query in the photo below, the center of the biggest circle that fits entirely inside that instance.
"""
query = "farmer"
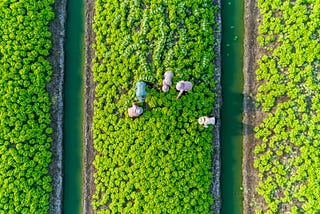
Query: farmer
(166, 83)
(135, 110)
(183, 86)
(141, 91)
(205, 121)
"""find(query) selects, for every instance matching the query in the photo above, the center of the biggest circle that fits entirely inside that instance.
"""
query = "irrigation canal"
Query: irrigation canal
(73, 105)
(231, 112)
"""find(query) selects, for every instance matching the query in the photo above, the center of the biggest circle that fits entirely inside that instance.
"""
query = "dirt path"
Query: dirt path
(251, 115)
(88, 150)
(55, 89)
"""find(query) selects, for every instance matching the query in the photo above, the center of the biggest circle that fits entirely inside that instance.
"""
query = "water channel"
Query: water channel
(73, 102)
(231, 112)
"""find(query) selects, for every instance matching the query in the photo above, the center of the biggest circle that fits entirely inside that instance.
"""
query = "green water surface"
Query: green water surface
(231, 112)
(73, 105)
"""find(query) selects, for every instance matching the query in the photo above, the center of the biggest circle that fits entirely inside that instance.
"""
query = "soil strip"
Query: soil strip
(88, 151)
(216, 158)
(252, 116)
(55, 89)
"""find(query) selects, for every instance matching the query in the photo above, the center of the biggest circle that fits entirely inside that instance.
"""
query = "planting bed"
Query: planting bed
(286, 110)
(161, 160)
(25, 120)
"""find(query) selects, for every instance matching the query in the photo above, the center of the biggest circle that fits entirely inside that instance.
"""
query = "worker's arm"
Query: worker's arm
(179, 95)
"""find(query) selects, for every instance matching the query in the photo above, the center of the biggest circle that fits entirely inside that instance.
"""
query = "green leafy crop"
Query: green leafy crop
(24, 106)
(288, 157)
(161, 161)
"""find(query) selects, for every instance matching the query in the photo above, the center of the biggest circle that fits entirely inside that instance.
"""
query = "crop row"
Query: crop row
(288, 155)
(161, 161)
(24, 106)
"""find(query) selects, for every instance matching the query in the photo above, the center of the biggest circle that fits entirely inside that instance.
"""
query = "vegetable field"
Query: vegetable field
(156, 157)
(288, 155)
(24, 106)
(161, 161)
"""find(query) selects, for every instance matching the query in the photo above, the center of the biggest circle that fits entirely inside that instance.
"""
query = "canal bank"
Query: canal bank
(216, 153)
(73, 107)
(232, 108)
(55, 89)
(251, 114)
(89, 90)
